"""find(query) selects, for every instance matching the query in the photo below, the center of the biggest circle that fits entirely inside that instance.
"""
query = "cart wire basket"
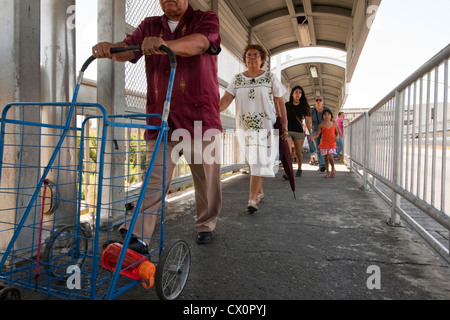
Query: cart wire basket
(70, 176)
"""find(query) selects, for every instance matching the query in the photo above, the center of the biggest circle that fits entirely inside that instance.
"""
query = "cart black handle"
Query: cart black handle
(173, 59)
(125, 49)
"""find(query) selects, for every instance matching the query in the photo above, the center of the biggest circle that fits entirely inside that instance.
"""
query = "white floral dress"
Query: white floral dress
(255, 117)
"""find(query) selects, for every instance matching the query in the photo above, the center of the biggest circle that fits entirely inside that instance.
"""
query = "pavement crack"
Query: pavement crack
(265, 251)
(332, 259)
(330, 226)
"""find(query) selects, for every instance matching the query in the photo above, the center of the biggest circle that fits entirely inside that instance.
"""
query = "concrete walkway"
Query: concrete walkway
(332, 243)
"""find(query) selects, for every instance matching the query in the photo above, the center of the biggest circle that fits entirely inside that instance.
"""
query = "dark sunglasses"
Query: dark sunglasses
(317, 100)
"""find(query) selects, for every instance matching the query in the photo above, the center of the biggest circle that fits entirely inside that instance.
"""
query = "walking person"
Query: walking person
(340, 144)
(316, 115)
(312, 152)
(259, 101)
(329, 132)
(297, 110)
(194, 38)
(312, 147)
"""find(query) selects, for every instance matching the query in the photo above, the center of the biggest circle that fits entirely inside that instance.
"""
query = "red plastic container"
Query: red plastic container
(135, 266)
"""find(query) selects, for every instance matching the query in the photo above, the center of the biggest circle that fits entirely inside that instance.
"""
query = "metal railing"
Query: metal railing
(399, 148)
(231, 158)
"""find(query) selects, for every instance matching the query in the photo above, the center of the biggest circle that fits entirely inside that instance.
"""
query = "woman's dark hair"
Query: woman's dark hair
(327, 111)
(261, 50)
(303, 101)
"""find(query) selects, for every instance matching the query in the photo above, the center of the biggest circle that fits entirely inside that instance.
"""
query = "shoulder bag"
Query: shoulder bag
(295, 114)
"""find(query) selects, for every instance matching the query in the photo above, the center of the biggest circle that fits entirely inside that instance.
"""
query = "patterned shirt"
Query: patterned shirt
(255, 117)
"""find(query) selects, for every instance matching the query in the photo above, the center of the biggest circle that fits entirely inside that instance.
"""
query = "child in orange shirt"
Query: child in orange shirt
(330, 134)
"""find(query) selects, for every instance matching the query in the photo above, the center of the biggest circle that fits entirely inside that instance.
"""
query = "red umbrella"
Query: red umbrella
(285, 155)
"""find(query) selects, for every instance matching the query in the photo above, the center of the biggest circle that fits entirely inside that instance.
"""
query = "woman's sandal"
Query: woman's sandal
(252, 207)
(260, 197)
(333, 174)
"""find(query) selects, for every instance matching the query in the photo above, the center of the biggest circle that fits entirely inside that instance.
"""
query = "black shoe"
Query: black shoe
(205, 237)
(322, 169)
(298, 173)
(138, 246)
(135, 244)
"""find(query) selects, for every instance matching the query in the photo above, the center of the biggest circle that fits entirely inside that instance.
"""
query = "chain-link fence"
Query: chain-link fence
(135, 80)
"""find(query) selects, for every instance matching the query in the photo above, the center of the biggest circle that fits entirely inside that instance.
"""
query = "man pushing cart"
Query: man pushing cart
(194, 37)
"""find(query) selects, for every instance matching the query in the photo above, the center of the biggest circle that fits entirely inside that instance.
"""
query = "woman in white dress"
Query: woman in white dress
(259, 101)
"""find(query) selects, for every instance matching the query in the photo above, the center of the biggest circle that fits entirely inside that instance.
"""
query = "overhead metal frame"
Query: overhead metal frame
(283, 25)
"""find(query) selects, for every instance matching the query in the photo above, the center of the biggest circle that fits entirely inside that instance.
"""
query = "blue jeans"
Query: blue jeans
(312, 146)
(340, 146)
(319, 155)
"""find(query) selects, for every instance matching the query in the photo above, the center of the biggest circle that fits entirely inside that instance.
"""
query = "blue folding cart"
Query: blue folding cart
(46, 244)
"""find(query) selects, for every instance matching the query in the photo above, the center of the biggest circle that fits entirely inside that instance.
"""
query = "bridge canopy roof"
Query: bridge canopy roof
(283, 25)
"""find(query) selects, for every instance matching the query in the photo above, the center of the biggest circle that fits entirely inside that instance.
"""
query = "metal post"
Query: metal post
(58, 78)
(19, 56)
(366, 147)
(111, 75)
(215, 6)
(444, 140)
(348, 148)
(20, 63)
(444, 137)
(111, 89)
(58, 74)
(397, 156)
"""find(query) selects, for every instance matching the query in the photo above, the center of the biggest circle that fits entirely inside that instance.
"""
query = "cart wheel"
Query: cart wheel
(10, 294)
(172, 270)
(61, 251)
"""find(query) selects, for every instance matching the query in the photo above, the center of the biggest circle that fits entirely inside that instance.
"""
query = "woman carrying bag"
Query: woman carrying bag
(297, 109)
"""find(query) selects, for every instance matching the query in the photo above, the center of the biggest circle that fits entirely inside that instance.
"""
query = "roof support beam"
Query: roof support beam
(310, 12)
(292, 13)
(215, 6)
(309, 15)
(252, 37)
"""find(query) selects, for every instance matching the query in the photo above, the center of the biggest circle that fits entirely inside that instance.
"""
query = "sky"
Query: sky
(403, 37)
